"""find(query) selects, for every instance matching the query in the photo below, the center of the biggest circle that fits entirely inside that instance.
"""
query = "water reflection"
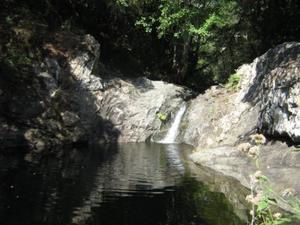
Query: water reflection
(135, 170)
(128, 184)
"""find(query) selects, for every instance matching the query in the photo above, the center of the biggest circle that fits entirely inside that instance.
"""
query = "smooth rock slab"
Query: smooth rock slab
(280, 163)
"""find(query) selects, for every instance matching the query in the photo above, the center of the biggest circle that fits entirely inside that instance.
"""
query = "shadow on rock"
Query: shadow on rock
(55, 101)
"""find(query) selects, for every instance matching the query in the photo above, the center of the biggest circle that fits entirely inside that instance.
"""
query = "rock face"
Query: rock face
(132, 106)
(129, 106)
(38, 107)
(276, 87)
(64, 101)
(277, 161)
(218, 117)
(267, 101)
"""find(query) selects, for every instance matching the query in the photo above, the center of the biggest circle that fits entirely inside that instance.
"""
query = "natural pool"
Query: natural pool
(126, 184)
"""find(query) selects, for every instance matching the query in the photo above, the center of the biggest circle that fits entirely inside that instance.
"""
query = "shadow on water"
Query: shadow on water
(144, 184)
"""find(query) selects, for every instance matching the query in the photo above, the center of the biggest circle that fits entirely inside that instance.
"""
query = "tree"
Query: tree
(193, 28)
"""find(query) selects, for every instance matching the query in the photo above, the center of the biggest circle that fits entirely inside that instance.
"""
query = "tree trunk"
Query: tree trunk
(184, 67)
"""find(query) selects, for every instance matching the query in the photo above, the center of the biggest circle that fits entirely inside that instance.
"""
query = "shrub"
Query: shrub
(162, 116)
(265, 203)
(233, 82)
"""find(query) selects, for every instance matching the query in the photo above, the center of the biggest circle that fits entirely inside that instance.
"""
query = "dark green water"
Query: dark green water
(131, 184)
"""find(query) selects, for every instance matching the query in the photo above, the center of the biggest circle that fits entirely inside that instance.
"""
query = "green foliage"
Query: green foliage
(17, 57)
(195, 43)
(297, 148)
(146, 23)
(122, 3)
(233, 82)
(223, 15)
(197, 19)
(266, 204)
(198, 34)
(162, 116)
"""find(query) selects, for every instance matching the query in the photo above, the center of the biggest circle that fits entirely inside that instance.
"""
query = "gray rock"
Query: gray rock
(49, 81)
(218, 117)
(39, 146)
(280, 163)
(132, 106)
(69, 118)
(127, 107)
(45, 103)
(274, 85)
(267, 101)
(53, 67)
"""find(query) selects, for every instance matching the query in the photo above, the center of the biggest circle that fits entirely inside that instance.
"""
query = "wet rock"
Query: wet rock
(92, 83)
(132, 106)
(81, 66)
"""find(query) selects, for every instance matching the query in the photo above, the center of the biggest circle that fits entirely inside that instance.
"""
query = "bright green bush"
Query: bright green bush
(162, 116)
(233, 82)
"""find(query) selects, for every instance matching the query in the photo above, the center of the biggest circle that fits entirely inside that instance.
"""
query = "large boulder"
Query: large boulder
(218, 117)
(275, 87)
(267, 101)
(221, 122)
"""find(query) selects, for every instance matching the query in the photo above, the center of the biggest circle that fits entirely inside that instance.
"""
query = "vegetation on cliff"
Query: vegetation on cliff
(196, 43)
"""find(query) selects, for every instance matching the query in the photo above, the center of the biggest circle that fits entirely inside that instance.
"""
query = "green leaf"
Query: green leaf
(262, 205)
(162, 116)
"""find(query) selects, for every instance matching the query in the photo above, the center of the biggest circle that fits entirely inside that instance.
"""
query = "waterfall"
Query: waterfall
(173, 131)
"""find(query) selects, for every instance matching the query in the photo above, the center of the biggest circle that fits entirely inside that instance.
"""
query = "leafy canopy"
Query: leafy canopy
(197, 18)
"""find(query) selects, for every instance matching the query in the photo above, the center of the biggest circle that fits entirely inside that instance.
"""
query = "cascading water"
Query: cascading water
(173, 131)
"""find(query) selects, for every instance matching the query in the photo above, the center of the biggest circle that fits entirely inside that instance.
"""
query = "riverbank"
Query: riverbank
(70, 98)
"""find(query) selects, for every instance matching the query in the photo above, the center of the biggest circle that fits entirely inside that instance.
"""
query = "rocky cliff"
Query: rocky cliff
(223, 123)
(68, 98)
(267, 101)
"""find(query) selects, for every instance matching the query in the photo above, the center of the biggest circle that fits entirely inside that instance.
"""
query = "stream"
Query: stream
(126, 184)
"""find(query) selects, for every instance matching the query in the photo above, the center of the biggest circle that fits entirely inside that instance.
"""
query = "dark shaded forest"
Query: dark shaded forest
(196, 43)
